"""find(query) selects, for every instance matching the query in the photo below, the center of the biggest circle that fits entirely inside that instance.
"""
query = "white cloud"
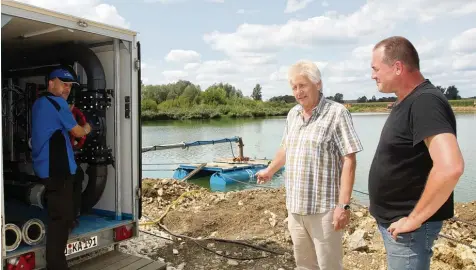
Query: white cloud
(373, 18)
(322, 65)
(164, 1)
(347, 79)
(280, 74)
(174, 75)
(146, 66)
(88, 9)
(183, 56)
(295, 5)
(259, 38)
(363, 52)
(369, 19)
(213, 67)
(436, 66)
(428, 48)
(191, 66)
(246, 11)
(181, 1)
(465, 42)
(465, 62)
(428, 10)
(255, 58)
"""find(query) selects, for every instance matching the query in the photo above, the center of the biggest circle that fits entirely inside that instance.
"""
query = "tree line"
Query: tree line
(451, 93)
(185, 100)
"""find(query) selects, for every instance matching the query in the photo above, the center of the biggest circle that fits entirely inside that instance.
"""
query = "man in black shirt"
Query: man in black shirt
(417, 163)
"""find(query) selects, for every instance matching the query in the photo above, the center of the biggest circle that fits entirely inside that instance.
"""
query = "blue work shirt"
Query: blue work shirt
(47, 119)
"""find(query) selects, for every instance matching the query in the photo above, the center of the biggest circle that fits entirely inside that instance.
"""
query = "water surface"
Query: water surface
(262, 137)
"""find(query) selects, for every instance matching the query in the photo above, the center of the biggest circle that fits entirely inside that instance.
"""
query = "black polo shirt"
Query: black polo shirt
(402, 162)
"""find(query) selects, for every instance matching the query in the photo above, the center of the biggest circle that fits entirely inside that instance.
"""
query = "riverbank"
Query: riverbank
(259, 218)
(269, 110)
(220, 111)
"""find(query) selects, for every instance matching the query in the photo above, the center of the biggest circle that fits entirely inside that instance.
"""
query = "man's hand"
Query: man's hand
(340, 219)
(263, 176)
(403, 225)
(87, 128)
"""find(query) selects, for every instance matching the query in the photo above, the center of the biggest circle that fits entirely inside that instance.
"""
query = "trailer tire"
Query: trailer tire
(97, 179)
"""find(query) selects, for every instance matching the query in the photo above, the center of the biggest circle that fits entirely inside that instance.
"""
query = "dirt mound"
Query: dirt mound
(234, 215)
(259, 217)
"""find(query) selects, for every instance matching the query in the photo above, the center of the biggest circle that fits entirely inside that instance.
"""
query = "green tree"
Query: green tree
(338, 97)
(452, 93)
(148, 105)
(362, 99)
(285, 99)
(190, 93)
(231, 91)
(256, 95)
(214, 96)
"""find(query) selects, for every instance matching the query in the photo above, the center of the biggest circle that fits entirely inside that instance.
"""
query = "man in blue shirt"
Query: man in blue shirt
(54, 163)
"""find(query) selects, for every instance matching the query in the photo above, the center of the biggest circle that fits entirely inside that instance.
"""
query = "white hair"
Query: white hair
(304, 68)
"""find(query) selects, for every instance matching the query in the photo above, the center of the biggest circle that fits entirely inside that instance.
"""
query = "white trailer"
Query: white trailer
(106, 60)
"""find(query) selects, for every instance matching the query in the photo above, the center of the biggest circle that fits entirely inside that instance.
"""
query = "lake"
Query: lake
(261, 138)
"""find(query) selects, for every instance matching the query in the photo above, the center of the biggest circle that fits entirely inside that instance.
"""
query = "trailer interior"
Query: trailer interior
(104, 66)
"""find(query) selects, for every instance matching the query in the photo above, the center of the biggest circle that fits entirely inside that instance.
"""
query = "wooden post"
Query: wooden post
(240, 146)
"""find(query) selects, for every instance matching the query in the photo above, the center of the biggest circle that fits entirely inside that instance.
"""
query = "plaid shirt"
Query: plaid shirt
(313, 156)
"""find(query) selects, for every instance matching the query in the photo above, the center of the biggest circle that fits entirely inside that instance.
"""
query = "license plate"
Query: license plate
(78, 246)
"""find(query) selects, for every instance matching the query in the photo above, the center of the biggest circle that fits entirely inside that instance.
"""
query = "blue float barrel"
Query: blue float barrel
(235, 177)
(180, 173)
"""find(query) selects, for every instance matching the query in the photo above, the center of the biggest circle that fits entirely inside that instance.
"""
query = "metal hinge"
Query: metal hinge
(138, 192)
(137, 64)
(127, 106)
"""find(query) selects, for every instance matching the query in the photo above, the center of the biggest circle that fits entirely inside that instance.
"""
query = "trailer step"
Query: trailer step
(121, 261)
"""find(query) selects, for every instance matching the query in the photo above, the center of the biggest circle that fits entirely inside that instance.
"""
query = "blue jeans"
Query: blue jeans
(411, 251)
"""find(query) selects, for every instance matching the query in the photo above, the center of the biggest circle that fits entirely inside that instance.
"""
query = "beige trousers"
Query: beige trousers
(317, 246)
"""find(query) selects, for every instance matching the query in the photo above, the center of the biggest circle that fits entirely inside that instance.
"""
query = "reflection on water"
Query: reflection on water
(262, 136)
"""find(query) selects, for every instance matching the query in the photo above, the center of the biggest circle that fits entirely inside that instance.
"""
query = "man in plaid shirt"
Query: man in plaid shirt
(319, 149)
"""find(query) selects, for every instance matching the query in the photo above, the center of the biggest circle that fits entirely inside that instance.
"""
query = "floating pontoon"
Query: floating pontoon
(221, 172)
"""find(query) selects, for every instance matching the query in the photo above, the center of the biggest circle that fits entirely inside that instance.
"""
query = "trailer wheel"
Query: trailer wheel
(96, 183)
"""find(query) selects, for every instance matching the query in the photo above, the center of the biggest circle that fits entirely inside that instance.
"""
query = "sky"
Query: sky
(245, 42)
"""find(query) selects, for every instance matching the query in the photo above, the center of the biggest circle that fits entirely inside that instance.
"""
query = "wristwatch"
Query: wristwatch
(344, 206)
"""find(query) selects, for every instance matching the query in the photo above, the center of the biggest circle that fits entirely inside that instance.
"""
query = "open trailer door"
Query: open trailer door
(5, 20)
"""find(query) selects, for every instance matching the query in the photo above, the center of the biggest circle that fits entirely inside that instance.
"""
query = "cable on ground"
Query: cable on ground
(196, 240)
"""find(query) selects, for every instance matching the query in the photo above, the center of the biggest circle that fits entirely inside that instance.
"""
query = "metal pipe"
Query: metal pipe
(185, 145)
(27, 192)
(33, 231)
(12, 236)
(117, 128)
(10, 124)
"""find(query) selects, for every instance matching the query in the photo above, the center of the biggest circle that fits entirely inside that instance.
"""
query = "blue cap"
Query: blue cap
(62, 74)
